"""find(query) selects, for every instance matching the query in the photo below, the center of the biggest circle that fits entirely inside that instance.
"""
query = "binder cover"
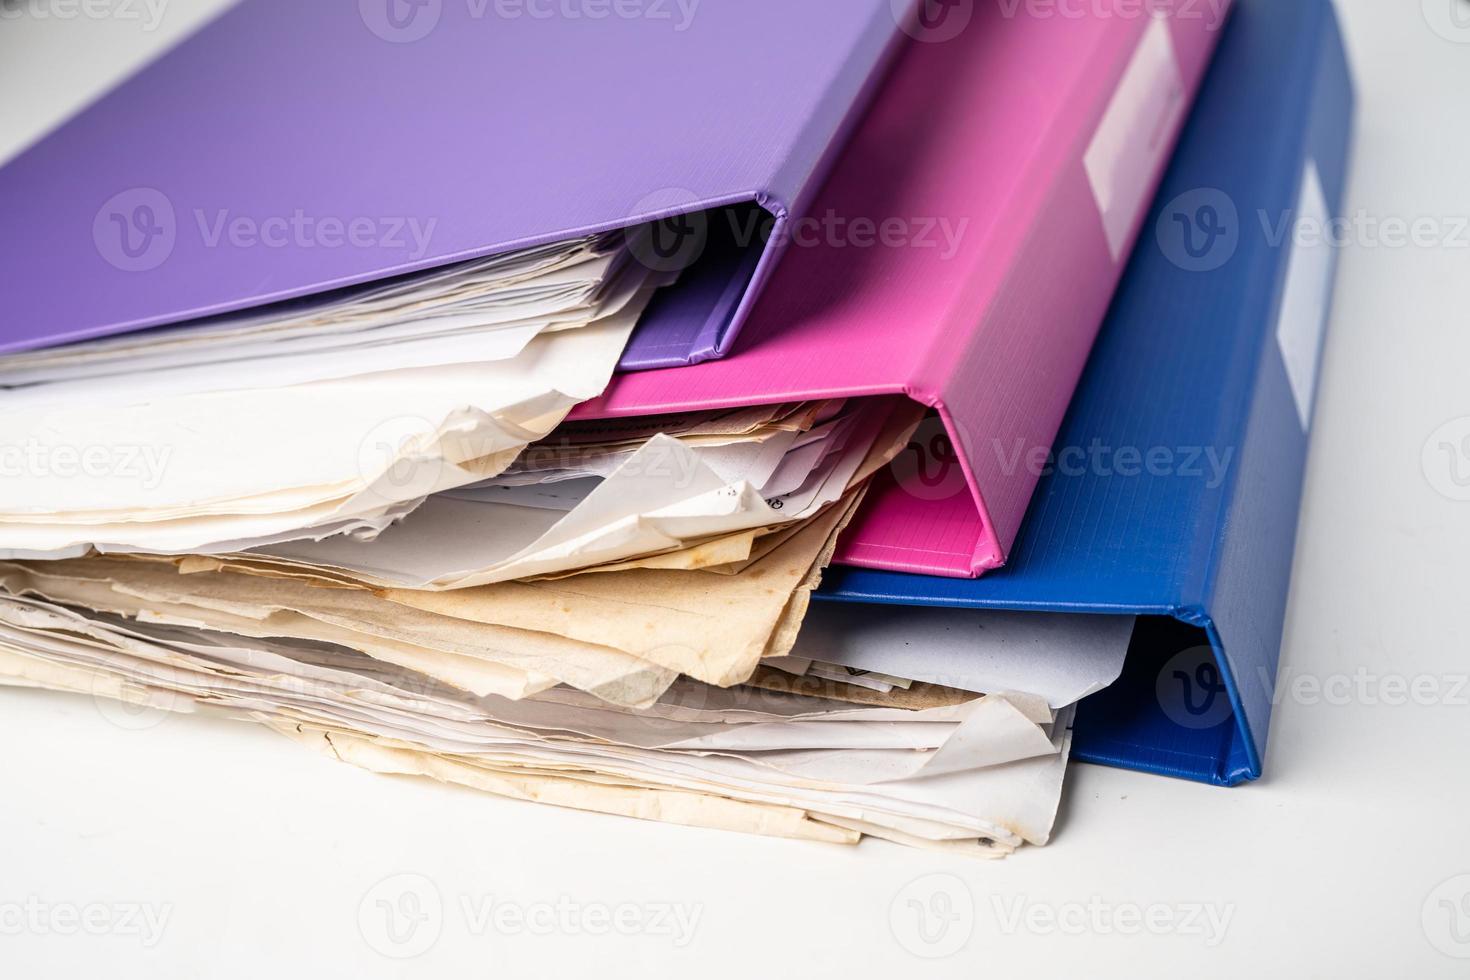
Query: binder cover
(1176, 479)
(376, 138)
(998, 182)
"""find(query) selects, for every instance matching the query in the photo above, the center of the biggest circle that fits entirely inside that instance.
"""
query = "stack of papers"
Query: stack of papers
(686, 493)
(334, 415)
(418, 525)
(597, 613)
(364, 519)
(608, 617)
(484, 310)
(931, 767)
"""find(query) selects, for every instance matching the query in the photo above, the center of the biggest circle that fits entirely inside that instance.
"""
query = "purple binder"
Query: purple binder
(291, 148)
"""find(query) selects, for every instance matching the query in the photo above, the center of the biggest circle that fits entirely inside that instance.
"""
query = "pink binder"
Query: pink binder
(963, 254)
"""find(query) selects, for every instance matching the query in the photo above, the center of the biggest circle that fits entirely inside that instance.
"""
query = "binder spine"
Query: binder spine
(1252, 557)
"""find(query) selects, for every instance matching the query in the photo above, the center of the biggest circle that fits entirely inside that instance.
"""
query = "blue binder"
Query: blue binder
(1176, 478)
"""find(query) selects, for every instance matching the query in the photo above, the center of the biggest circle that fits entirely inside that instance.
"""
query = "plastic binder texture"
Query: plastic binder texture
(1173, 489)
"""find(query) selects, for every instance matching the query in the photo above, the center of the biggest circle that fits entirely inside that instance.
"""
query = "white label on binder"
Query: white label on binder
(1135, 131)
(1305, 296)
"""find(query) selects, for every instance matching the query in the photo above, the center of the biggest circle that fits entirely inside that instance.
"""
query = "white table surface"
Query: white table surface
(1348, 859)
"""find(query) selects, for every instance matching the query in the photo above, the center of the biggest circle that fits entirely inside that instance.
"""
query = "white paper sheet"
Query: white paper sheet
(1060, 657)
(661, 496)
(255, 464)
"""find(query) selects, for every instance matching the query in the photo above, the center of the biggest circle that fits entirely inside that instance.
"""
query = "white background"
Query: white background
(262, 856)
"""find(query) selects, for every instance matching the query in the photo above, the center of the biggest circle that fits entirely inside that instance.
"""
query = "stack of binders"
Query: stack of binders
(822, 421)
